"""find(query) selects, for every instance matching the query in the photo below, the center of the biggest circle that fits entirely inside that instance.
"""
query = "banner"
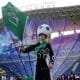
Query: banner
(14, 19)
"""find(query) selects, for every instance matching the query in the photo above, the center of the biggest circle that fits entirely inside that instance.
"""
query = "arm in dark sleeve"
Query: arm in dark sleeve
(51, 54)
(29, 48)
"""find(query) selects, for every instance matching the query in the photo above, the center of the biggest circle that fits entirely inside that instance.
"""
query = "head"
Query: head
(42, 37)
(71, 72)
(44, 31)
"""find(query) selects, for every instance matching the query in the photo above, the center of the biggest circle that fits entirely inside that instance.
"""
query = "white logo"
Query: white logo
(13, 18)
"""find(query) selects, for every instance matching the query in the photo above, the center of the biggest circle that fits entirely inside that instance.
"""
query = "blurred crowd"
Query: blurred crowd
(69, 76)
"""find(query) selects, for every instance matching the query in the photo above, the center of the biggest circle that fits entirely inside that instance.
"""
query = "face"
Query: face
(42, 37)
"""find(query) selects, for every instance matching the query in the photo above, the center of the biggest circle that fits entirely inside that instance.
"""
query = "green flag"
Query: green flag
(14, 20)
(27, 78)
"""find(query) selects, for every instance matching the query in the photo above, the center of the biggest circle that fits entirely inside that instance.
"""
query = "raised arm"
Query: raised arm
(29, 48)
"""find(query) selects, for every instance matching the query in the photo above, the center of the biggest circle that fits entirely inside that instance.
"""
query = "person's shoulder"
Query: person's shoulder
(48, 44)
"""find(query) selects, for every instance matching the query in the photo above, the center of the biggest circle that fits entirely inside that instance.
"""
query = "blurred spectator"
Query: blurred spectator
(66, 77)
(71, 76)
(59, 78)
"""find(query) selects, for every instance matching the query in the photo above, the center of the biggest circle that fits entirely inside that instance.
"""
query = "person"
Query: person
(72, 76)
(45, 54)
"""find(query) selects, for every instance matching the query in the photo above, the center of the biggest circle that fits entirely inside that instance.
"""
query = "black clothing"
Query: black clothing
(72, 77)
(42, 70)
(18, 78)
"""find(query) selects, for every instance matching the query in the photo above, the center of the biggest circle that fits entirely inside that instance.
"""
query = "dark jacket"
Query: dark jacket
(42, 70)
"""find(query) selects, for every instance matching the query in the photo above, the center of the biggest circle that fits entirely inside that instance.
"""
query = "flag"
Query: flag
(14, 20)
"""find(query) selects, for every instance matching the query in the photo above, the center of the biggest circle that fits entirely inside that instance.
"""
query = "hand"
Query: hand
(50, 65)
(20, 47)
